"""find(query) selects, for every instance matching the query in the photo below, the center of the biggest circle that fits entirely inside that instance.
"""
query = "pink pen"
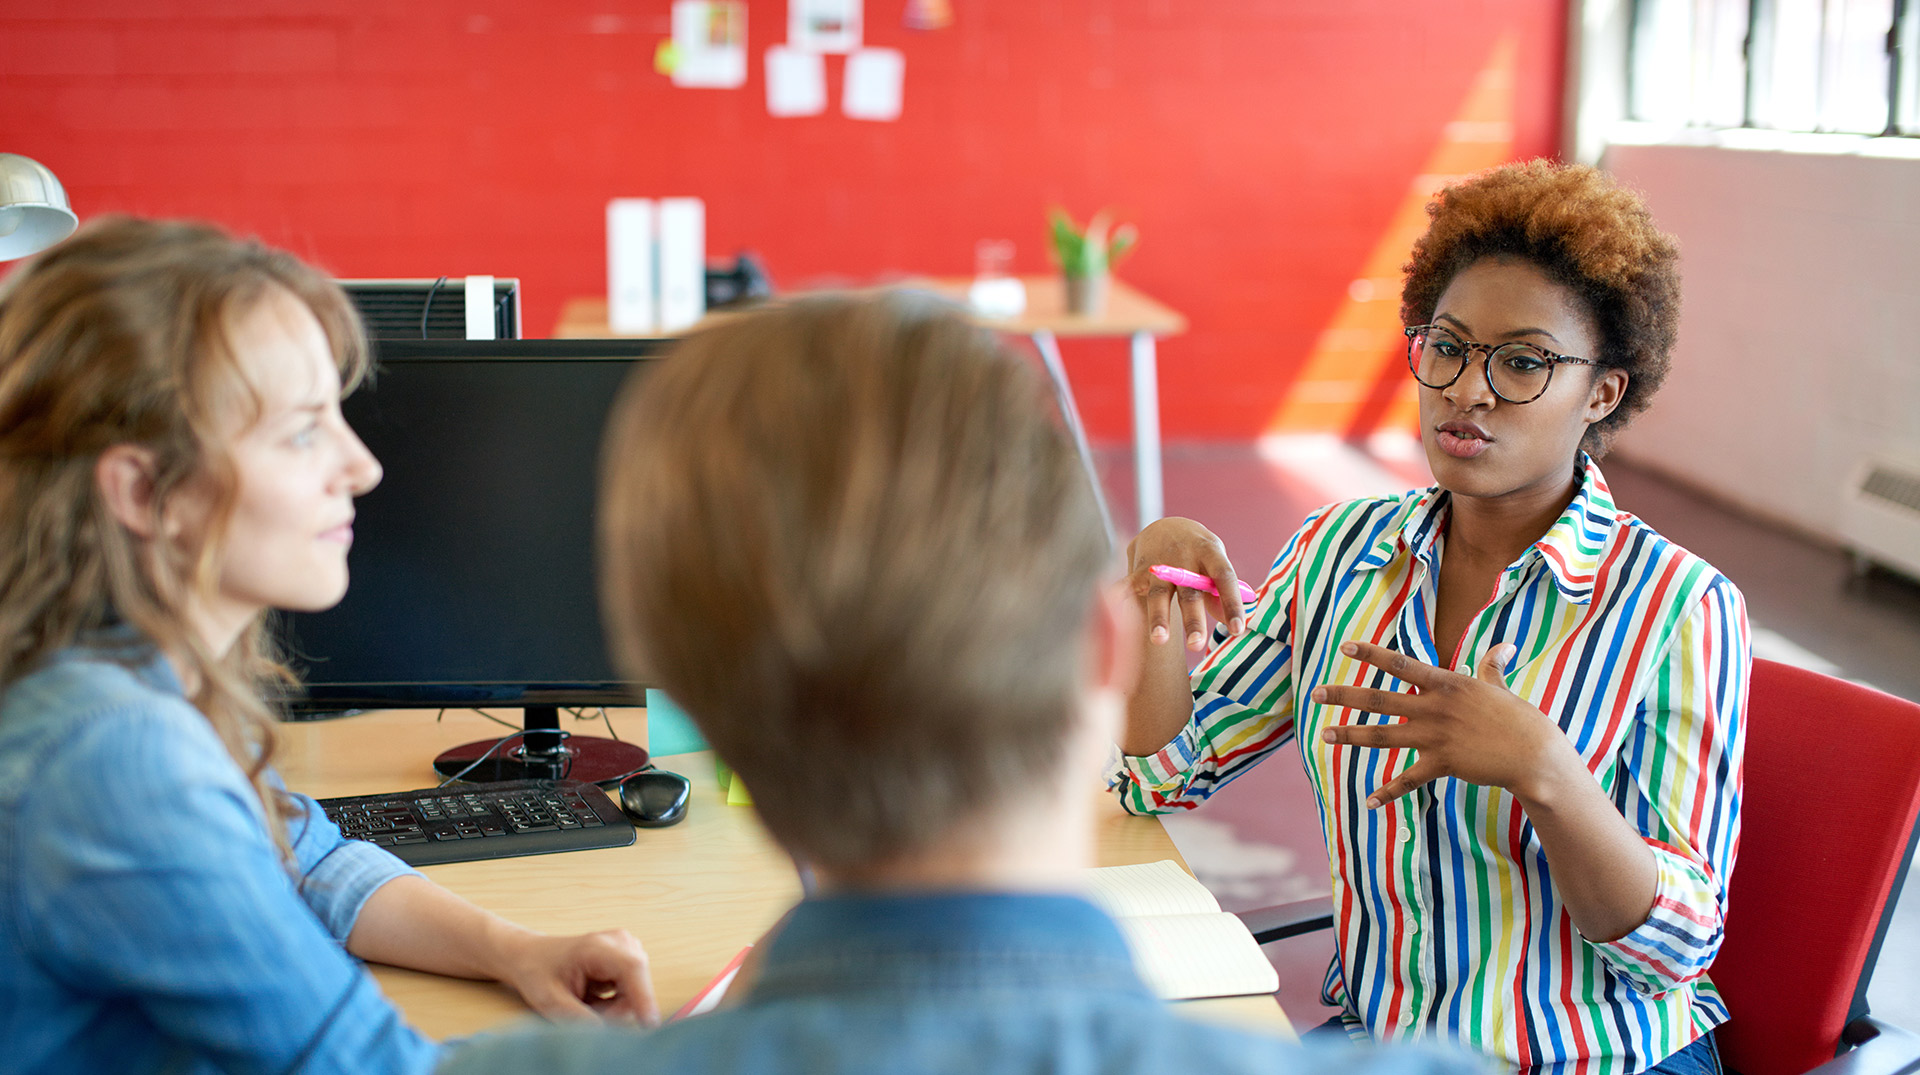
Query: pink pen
(1193, 580)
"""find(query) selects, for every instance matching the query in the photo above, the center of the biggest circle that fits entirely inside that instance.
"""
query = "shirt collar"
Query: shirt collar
(1571, 547)
(122, 644)
(1017, 938)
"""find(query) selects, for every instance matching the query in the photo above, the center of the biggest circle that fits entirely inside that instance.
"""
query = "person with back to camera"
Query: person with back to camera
(1520, 708)
(173, 464)
(847, 535)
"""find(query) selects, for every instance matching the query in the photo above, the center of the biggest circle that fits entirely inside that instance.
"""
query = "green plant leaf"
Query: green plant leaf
(1068, 246)
(1089, 251)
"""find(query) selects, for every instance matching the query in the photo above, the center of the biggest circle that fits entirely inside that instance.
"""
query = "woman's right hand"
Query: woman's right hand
(1185, 544)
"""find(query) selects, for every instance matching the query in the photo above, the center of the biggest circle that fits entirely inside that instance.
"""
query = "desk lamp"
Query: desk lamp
(34, 213)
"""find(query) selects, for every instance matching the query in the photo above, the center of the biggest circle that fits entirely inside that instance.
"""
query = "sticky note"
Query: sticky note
(669, 729)
(872, 88)
(737, 792)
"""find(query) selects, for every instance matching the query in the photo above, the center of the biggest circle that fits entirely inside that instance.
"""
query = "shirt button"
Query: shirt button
(1406, 836)
(1406, 1018)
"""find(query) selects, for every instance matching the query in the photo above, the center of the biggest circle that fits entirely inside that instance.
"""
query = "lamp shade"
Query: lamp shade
(33, 208)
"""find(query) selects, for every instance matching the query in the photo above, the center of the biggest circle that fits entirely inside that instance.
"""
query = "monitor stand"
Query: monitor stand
(543, 753)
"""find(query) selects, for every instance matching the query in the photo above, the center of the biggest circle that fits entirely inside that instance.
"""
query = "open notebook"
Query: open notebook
(1183, 944)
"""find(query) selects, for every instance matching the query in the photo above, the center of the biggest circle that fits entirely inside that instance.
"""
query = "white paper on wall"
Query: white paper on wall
(873, 81)
(796, 82)
(709, 44)
(823, 25)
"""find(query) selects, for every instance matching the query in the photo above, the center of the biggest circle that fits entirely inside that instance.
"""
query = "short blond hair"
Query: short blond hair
(849, 535)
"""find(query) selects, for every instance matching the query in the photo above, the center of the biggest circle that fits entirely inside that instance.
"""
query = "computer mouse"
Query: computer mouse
(655, 798)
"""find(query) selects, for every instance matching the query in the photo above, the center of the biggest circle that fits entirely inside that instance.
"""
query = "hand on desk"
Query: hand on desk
(576, 978)
(412, 922)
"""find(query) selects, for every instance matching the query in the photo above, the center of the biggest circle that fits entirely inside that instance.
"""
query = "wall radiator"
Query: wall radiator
(1881, 524)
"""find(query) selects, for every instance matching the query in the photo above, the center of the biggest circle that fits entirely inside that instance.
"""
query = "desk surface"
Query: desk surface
(694, 894)
(1128, 311)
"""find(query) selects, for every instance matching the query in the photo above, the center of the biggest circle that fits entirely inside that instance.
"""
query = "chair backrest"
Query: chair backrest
(1832, 786)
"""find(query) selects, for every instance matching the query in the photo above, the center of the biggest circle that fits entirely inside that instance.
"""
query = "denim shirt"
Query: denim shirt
(147, 922)
(937, 983)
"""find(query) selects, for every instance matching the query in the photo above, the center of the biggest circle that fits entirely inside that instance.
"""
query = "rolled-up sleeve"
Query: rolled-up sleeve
(336, 874)
(1683, 762)
(1243, 705)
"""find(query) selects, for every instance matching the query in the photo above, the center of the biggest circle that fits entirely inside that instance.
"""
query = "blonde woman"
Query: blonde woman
(173, 464)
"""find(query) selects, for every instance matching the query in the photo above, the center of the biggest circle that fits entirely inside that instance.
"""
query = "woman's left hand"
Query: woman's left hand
(1470, 727)
(600, 974)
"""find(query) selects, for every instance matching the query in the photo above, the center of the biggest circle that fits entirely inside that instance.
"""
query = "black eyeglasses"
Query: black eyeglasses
(1517, 372)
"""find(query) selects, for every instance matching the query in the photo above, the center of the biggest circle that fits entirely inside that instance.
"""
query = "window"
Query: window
(1797, 65)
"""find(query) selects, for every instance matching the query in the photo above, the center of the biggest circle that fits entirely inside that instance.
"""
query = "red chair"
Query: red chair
(1832, 787)
(1826, 835)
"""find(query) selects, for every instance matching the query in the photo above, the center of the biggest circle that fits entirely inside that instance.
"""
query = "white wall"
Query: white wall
(1799, 350)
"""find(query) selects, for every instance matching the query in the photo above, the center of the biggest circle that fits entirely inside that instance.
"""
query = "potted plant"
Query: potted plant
(1087, 257)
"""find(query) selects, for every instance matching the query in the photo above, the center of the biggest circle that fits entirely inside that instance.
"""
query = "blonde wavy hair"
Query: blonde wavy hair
(118, 337)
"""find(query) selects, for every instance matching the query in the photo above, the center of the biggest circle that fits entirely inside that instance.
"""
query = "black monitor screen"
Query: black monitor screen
(472, 576)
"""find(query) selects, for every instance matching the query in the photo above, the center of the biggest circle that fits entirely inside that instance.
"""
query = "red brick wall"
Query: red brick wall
(1263, 146)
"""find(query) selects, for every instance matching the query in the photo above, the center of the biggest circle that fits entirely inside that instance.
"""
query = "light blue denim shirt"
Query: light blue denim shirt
(147, 922)
(966, 983)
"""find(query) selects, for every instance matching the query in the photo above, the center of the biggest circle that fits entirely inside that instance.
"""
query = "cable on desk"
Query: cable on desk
(580, 713)
(482, 712)
(502, 741)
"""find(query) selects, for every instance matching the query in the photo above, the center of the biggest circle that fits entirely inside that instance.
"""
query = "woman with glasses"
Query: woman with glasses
(1520, 708)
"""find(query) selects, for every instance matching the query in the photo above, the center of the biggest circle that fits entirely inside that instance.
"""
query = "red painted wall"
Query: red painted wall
(1262, 146)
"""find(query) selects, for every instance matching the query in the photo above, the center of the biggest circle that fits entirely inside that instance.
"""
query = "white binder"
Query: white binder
(683, 262)
(631, 294)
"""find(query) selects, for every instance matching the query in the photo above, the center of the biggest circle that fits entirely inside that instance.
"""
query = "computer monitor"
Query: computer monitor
(472, 568)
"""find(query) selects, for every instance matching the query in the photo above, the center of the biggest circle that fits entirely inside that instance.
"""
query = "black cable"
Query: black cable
(580, 713)
(496, 720)
(471, 709)
(497, 744)
(427, 307)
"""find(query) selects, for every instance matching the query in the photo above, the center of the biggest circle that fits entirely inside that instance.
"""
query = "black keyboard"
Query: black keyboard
(484, 821)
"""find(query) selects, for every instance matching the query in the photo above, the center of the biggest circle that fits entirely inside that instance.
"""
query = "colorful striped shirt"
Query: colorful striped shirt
(1447, 921)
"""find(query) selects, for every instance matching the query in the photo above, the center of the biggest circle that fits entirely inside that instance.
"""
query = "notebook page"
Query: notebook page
(1186, 956)
(1149, 888)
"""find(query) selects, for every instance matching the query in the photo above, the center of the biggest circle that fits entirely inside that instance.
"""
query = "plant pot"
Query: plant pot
(1087, 295)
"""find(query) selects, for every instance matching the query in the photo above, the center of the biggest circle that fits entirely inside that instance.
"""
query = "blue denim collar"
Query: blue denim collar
(124, 645)
(946, 942)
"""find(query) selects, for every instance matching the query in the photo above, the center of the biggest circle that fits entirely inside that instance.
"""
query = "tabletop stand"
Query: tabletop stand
(544, 753)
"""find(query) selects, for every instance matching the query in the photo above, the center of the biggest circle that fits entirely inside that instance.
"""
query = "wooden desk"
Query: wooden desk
(1129, 313)
(694, 894)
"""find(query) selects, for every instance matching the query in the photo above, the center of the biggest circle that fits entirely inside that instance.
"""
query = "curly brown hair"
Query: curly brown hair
(1586, 232)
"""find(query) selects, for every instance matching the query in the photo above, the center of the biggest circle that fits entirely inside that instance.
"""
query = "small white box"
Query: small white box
(632, 302)
(479, 308)
(683, 262)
